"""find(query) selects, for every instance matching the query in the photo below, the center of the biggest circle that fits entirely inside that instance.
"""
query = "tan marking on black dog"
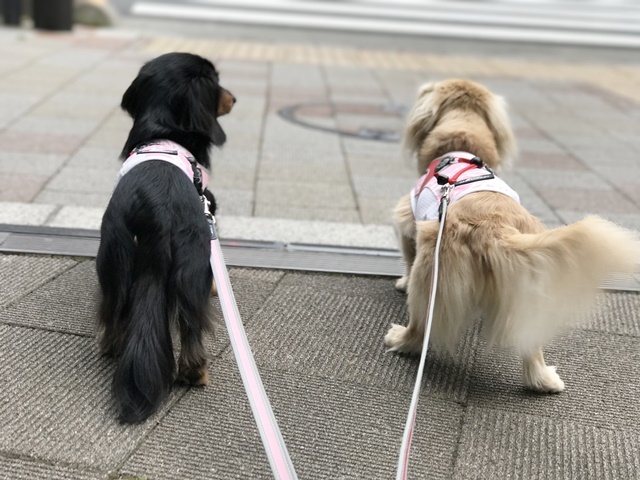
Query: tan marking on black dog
(226, 102)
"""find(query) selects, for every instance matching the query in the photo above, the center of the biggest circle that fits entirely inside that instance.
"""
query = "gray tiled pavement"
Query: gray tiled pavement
(61, 130)
(340, 399)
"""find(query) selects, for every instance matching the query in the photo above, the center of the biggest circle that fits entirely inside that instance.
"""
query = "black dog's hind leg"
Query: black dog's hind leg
(192, 280)
(114, 266)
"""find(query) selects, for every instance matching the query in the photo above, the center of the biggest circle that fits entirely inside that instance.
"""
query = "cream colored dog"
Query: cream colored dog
(497, 261)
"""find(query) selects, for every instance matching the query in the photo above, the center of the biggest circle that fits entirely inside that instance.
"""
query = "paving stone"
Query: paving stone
(294, 172)
(383, 187)
(616, 313)
(21, 274)
(346, 435)
(30, 142)
(77, 217)
(67, 304)
(90, 180)
(530, 199)
(605, 202)
(626, 220)
(368, 147)
(20, 187)
(72, 57)
(56, 126)
(381, 166)
(549, 161)
(598, 371)
(499, 444)
(14, 105)
(559, 178)
(17, 213)
(347, 332)
(42, 164)
(377, 210)
(84, 199)
(237, 155)
(22, 469)
(107, 137)
(307, 213)
(631, 188)
(57, 403)
(619, 157)
(78, 105)
(316, 232)
(234, 202)
(231, 177)
(252, 287)
(270, 192)
(539, 146)
(99, 158)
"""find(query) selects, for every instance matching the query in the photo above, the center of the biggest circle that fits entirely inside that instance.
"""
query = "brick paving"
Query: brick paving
(61, 128)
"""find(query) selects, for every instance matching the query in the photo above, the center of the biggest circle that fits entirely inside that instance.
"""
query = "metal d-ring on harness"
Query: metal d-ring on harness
(448, 184)
(275, 448)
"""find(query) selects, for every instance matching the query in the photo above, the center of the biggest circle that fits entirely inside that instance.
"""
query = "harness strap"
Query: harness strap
(442, 162)
(455, 177)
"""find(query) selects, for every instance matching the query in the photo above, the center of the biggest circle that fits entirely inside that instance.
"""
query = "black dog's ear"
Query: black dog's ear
(131, 98)
(217, 135)
(198, 112)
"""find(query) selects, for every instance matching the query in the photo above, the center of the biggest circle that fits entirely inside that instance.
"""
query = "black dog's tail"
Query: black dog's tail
(145, 370)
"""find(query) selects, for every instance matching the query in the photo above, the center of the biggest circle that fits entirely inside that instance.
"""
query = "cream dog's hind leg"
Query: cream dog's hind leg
(406, 228)
(409, 339)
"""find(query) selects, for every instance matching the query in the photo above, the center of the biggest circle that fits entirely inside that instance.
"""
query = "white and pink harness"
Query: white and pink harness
(465, 172)
(166, 151)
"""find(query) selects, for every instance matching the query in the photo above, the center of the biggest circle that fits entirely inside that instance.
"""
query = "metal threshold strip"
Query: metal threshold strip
(245, 253)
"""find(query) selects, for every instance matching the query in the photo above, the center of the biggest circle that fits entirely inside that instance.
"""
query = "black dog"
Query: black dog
(153, 261)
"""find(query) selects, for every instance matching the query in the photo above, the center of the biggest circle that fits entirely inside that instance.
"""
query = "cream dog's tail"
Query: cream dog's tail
(548, 280)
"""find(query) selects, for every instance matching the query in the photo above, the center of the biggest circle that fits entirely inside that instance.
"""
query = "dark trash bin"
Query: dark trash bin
(11, 11)
(53, 14)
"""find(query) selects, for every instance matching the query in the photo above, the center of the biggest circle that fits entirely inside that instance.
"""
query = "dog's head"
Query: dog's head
(178, 96)
(449, 112)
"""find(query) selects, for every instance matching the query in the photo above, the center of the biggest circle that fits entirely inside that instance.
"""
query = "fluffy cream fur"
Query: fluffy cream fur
(498, 262)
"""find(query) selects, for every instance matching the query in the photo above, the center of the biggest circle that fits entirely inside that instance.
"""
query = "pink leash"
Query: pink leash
(275, 448)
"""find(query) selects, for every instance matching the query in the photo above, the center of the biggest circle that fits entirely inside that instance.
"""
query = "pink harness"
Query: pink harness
(166, 151)
(459, 169)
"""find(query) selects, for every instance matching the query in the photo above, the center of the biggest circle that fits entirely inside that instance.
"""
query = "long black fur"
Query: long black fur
(153, 260)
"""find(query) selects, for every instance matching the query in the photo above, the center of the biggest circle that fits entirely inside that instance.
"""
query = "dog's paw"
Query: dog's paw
(399, 339)
(196, 377)
(545, 380)
(402, 284)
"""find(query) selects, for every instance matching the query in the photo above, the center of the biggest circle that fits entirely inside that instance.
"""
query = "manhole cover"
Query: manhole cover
(371, 122)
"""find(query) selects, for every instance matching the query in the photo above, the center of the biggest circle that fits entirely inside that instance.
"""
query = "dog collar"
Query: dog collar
(170, 152)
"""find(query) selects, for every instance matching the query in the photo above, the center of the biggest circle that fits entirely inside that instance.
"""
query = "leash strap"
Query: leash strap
(405, 447)
(275, 448)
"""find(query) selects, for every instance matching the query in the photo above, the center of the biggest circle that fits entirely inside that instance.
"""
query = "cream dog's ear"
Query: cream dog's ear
(421, 119)
(500, 126)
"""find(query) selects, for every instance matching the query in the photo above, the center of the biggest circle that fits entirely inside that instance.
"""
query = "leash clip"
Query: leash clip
(211, 220)
(445, 198)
